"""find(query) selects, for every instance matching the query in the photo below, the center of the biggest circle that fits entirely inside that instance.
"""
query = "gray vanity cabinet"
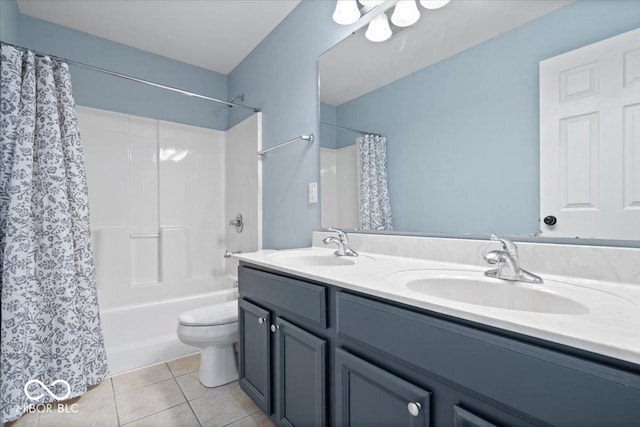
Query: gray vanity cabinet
(338, 357)
(369, 396)
(284, 360)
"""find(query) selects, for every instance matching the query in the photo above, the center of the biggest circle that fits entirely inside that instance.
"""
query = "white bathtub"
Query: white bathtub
(144, 334)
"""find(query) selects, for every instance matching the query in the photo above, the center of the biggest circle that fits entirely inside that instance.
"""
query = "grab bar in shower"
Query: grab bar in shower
(310, 138)
(143, 235)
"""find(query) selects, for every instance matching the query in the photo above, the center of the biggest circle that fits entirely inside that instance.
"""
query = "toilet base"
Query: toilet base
(218, 365)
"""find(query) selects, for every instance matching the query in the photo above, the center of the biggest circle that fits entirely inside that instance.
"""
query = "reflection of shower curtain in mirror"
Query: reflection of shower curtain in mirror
(375, 209)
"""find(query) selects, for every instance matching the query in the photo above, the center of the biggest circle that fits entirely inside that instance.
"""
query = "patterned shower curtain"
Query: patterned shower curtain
(375, 208)
(50, 326)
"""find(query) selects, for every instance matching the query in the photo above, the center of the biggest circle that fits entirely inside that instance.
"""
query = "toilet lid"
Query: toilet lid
(217, 314)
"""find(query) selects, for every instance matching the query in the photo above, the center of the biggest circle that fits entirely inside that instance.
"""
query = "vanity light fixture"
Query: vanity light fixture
(378, 29)
(371, 3)
(346, 12)
(433, 4)
(405, 14)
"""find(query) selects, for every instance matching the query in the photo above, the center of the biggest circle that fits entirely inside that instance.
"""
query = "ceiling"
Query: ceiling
(357, 66)
(213, 34)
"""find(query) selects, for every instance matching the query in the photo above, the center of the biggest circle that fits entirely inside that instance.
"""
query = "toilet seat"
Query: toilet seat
(213, 315)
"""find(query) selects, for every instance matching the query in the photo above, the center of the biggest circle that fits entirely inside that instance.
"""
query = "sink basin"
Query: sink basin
(311, 259)
(512, 296)
(472, 287)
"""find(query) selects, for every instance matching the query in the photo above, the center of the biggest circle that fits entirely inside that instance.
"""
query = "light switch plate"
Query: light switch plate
(313, 192)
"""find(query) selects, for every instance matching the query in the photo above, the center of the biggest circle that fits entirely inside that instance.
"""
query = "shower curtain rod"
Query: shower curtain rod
(362, 132)
(135, 79)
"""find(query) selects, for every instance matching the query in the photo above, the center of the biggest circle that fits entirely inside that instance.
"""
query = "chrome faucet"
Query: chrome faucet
(342, 241)
(508, 263)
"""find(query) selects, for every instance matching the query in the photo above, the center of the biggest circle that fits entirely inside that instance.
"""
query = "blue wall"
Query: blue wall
(99, 90)
(9, 15)
(281, 76)
(463, 134)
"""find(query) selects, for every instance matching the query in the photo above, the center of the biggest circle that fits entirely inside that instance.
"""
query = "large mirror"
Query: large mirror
(437, 130)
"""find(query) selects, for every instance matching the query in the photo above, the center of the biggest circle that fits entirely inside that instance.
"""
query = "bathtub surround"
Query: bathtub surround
(162, 219)
(243, 172)
(51, 328)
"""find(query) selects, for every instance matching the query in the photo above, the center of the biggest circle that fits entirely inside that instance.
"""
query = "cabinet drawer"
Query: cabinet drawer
(296, 298)
(552, 387)
(367, 396)
(464, 418)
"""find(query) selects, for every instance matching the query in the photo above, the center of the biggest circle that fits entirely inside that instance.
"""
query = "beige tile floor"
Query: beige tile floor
(163, 395)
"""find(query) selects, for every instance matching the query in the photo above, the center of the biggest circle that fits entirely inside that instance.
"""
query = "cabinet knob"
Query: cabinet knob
(414, 408)
(550, 220)
(261, 320)
(274, 328)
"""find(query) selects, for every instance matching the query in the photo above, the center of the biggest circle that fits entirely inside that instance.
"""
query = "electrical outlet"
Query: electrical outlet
(313, 192)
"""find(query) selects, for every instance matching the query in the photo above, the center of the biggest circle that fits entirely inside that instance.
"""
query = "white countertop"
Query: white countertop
(612, 328)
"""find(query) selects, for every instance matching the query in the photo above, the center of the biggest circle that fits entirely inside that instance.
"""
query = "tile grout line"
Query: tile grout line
(173, 377)
(156, 412)
(149, 415)
(146, 385)
(242, 418)
(188, 402)
(115, 403)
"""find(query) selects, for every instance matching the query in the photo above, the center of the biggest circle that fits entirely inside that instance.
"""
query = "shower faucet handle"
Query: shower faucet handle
(238, 223)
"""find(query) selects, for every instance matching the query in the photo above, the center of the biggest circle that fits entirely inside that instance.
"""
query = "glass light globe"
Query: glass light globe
(370, 3)
(378, 29)
(346, 12)
(405, 14)
(433, 4)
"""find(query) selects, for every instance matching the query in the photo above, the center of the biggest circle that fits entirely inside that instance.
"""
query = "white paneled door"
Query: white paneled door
(590, 141)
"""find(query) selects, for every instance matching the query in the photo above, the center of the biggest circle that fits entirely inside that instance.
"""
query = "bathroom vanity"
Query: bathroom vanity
(317, 348)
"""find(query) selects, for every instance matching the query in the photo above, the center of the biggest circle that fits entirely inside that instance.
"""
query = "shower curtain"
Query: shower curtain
(50, 326)
(375, 208)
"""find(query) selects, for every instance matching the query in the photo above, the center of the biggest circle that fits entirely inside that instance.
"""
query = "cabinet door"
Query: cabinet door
(301, 369)
(255, 353)
(367, 396)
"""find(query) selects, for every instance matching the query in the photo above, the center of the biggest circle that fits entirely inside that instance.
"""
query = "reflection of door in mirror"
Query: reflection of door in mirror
(339, 187)
(590, 140)
(338, 174)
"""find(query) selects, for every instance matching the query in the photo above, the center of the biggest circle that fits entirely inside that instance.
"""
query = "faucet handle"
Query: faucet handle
(341, 234)
(507, 245)
(493, 257)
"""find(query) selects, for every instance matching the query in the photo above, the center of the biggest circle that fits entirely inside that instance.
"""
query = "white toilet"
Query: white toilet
(213, 328)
